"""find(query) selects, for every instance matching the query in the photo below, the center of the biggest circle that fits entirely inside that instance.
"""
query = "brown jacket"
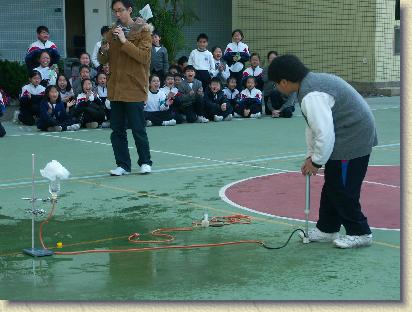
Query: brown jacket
(129, 65)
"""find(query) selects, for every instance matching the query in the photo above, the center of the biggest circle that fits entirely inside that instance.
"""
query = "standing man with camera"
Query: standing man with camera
(127, 49)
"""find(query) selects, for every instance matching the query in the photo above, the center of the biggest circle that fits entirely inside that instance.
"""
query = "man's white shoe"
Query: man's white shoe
(228, 117)
(148, 123)
(202, 119)
(217, 118)
(145, 168)
(257, 115)
(236, 115)
(119, 171)
(353, 241)
(170, 122)
(316, 235)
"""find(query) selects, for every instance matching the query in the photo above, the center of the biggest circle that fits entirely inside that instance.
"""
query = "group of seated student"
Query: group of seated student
(55, 102)
(212, 85)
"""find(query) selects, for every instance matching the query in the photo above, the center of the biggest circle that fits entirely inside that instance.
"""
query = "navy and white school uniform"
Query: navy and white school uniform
(2, 109)
(102, 93)
(222, 75)
(203, 62)
(156, 110)
(30, 106)
(48, 76)
(249, 99)
(56, 116)
(213, 104)
(256, 72)
(236, 68)
(89, 109)
(232, 96)
(36, 48)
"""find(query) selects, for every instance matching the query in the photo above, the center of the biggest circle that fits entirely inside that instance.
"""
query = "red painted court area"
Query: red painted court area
(283, 195)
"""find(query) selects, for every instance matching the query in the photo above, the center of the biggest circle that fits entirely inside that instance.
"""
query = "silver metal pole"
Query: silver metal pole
(33, 199)
(307, 209)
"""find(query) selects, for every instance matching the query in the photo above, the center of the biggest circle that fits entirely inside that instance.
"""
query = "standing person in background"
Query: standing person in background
(236, 55)
(95, 61)
(42, 44)
(202, 60)
(340, 134)
(160, 63)
(128, 52)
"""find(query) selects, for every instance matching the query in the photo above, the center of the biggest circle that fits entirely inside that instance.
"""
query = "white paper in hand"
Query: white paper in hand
(146, 12)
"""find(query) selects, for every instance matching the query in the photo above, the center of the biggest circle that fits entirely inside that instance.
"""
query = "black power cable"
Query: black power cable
(287, 242)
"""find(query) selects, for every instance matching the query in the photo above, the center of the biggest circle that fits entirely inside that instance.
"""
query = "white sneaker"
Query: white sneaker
(316, 235)
(202, 119)
(170, 122)
(106, 124)
(257, 115)
(145, 169)
(148, 123)
(217, 118)
(228, 117)
(73, 127)
(119, 171)
(353, 241)
(236, 115)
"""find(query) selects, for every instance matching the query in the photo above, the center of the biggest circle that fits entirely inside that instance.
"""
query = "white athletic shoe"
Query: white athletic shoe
(228, 117)
(202, 119)
(105, 124)
(73, 127)
(170, 122)
(145, 169)
(148, 123)
(217, 118)
(119, 171)
(257, 115)
(316, 235)
(353, 241)
(236, 115)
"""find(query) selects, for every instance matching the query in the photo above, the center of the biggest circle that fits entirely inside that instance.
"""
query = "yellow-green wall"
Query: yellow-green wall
(335, 36)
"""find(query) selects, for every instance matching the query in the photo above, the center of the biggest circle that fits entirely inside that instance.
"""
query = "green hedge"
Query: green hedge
(13, 77)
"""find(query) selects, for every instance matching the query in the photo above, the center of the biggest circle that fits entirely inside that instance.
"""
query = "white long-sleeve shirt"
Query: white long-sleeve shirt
(201, 60)
(156, 101)
(95, 53)
(320, 132)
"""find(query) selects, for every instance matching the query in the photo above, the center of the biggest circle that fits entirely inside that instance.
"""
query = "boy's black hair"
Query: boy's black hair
(68, 87)
(152, 76)
(75, 64)
(84, 66)
(175, 67)
(127, 3)
(183, 59)
(178, 75)
(169, 75)
(33, 73)
(272, 52)
(98, 74)
(287, 67)
(189, 67)
(255, 54)
(231, 78)
(104, 30)
(46, 93)
(84, 80)
(239, 31)
(247, 78)
(216, 47)
(215, 79)
(156, 33)
(202, 36)
(42, 28)
(84, 52)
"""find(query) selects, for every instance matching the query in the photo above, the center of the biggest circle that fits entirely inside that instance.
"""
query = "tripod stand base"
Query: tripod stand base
(37, 252)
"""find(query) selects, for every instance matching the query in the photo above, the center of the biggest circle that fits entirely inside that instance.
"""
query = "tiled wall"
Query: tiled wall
(329, 36)
(18, 23)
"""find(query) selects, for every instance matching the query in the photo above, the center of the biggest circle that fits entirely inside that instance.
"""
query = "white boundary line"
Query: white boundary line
(222, 195)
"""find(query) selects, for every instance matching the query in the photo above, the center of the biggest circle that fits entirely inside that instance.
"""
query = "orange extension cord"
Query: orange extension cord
(134, 238)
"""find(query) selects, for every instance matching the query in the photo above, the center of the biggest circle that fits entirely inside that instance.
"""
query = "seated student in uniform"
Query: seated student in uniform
(48, 73)
(268, 85)
(216, 105)
(178, 79)
(84, 73)
(2, 109)
(42, 44)
(250, 104)
(101, 91)
(254, 70)
(54, 117)
(89, 109)
(281, 105)
(202, 60)
(189, 103)
(65, 88)
(86, 60)
(157, 109)
(182, 62)
(30, 98)
(232, 94)
(174, 69)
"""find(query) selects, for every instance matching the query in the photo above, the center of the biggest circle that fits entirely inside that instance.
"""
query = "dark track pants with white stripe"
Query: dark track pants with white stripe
(339, 203)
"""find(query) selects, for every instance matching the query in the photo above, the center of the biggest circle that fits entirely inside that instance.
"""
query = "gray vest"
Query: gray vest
(355, 132)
